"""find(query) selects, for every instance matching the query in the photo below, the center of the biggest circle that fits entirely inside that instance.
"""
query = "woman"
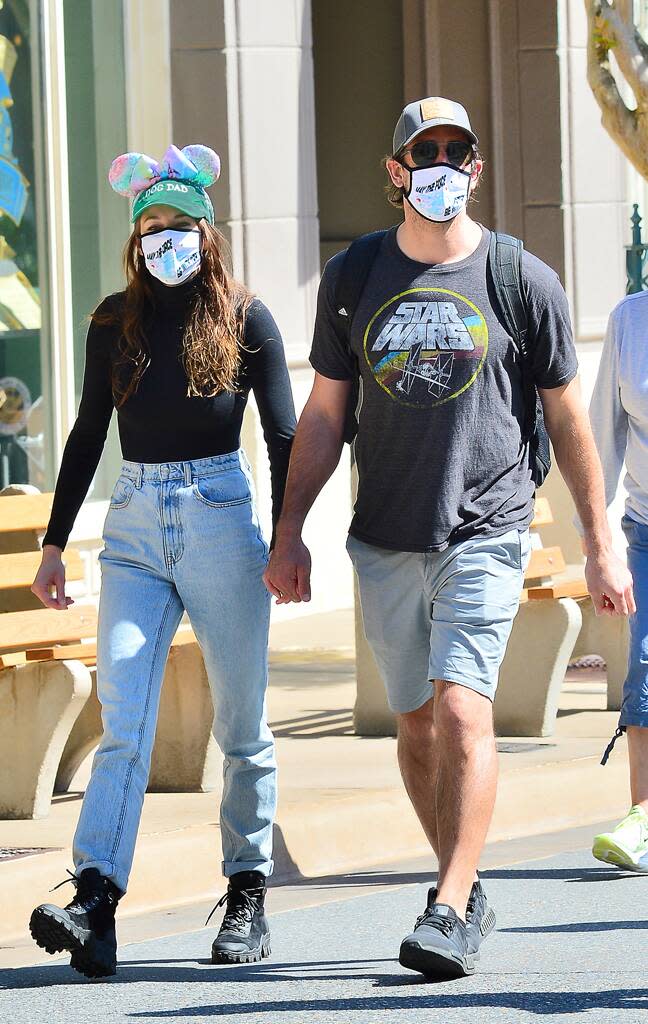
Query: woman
(176, 354)
(619, 414)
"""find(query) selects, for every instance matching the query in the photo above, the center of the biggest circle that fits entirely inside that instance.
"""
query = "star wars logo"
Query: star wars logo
(437, 325)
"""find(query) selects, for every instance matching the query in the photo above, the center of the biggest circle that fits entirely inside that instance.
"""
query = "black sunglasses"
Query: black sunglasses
(427, 152)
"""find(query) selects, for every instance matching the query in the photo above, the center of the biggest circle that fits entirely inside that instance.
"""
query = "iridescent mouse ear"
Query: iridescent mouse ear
(131, 173)
(206, 162)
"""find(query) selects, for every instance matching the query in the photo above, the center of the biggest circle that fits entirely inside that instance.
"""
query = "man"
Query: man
(619, 414)
(439, 538)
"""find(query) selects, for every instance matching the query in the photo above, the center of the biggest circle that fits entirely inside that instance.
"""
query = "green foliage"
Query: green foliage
(602, 36)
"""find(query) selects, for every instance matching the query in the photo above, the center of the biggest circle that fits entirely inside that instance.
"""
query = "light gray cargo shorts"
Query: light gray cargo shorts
(443, 615)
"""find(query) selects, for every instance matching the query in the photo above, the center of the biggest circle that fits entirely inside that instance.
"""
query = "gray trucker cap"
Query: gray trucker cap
(429, 113)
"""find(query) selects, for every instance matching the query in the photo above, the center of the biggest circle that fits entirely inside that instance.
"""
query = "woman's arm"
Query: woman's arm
(269, 379)
(78, 465)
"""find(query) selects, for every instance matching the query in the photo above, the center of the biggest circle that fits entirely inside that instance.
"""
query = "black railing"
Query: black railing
(636, 256)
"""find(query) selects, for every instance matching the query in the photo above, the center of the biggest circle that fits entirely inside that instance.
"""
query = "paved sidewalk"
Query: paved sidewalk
(340, 795)
(571, 945)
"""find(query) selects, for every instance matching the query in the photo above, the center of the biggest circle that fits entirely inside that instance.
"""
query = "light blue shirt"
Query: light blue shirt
(619, 406)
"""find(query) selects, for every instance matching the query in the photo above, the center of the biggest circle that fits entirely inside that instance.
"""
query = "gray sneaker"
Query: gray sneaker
(438, 947)
(480, 917)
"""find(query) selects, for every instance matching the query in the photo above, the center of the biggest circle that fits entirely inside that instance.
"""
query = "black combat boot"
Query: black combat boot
(86, 927)
(244, 935)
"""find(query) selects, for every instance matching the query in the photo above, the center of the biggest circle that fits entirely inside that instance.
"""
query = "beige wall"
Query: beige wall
(242, 82)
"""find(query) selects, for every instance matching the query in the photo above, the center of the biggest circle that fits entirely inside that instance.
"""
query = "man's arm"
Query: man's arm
(315, 454)
(608, 579)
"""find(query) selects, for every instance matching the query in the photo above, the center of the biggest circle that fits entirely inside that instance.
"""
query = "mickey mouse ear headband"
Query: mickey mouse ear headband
(179, 180)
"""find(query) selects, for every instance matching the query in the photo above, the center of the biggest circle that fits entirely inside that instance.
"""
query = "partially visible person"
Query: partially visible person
(619, 415)
(177, 354)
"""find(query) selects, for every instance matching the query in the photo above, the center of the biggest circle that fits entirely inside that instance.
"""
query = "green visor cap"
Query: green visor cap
(191, 199)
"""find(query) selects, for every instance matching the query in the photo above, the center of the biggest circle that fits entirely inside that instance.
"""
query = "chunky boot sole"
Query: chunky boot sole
(252, 956)
(92, 957)
(436, 964)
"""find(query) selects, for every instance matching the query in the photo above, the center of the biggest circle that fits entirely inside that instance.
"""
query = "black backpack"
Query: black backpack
(504, 262)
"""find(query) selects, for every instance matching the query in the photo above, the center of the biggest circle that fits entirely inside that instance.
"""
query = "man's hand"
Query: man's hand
(610, 584)
(288, 574)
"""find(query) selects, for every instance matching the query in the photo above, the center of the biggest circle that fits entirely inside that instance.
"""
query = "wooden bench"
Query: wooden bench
(50, 716)
(555, 624)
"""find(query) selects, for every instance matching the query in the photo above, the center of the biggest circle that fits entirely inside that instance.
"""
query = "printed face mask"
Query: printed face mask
(438, 193)
(172, 256)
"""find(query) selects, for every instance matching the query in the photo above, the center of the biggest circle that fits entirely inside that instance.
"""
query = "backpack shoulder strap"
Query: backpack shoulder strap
(505, 259)
(354, 273)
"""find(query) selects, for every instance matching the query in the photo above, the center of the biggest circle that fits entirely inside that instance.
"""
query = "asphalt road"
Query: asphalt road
(571, 945)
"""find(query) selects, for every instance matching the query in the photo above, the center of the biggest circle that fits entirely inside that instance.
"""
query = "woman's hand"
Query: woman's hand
(49, 585)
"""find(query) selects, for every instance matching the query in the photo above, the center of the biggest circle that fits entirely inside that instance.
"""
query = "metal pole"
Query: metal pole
(635, 255)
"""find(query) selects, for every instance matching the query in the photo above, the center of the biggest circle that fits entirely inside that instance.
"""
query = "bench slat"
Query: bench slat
(46, 626)
(11, 660)
(88, 651)
(543, 515)
(553, 591)
(544, 562)
(18, 570)
(20, 512)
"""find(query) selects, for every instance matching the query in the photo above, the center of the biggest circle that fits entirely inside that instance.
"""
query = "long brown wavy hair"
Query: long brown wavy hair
(213, 334)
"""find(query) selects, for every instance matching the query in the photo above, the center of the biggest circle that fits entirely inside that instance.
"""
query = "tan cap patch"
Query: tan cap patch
(435, 107)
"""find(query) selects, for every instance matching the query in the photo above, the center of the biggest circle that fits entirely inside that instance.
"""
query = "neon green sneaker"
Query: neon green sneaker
(627, 845)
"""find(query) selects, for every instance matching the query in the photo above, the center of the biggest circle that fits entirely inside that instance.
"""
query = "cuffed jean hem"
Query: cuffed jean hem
(640, 721)
(232, 867)
(107, 870)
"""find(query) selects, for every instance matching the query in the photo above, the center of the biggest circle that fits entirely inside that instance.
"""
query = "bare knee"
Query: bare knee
(417, 726)
(462, 714)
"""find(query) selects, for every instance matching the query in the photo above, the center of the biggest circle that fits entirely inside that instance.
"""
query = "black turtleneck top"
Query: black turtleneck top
(160, 423)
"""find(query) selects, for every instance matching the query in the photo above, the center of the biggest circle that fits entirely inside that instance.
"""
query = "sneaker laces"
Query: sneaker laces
(438, 921)
(242, 904)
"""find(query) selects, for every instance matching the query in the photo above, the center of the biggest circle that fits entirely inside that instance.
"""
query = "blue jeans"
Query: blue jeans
(181, 535)
(634, 709)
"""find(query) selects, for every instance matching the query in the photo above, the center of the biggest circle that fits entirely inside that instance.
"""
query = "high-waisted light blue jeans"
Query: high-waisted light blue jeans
(181, 535)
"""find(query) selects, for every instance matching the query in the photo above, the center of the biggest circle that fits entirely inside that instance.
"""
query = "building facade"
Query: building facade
(300, 98)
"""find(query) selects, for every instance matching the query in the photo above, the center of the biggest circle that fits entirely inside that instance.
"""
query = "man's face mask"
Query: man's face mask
(172, 256)
(438, 193)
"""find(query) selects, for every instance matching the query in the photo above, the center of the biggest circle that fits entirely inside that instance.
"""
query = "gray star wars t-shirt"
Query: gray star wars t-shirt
(440, 451)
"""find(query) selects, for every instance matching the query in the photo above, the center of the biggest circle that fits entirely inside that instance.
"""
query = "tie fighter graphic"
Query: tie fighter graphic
(436, 372)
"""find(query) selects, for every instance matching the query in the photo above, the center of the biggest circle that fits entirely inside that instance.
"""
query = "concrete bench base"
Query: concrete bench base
(371, 714)
(609, 637)
(39, 704)
(532, 673)
(185, 757)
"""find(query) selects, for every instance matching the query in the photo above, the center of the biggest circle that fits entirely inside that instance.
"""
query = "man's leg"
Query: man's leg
(449, 771)
(638, 757)
(626, 846)
(418, 759)
(465, 788)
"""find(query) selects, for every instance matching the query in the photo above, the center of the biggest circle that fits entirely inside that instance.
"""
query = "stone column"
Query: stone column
(242, 83)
